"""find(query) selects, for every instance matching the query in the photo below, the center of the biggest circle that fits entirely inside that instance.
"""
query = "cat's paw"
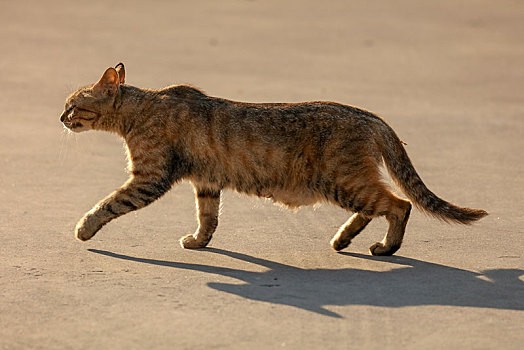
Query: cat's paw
(86, 229)
(82, 234)
(190, 242)
(339, 244)
(379, 248)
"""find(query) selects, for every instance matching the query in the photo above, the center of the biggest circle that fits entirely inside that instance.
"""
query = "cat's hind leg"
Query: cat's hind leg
(208, 205)
(397, 215)
(349, 230)
(368, 201)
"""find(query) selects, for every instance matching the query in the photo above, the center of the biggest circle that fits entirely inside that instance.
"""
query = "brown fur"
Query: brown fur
(297, 154)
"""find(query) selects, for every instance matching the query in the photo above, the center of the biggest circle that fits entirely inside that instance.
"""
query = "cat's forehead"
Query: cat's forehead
(79, 95)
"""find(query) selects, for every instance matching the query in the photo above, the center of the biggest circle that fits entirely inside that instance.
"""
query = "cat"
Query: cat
(294, 153)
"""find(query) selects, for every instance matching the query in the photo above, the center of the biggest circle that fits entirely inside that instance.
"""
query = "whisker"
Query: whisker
(61, 148)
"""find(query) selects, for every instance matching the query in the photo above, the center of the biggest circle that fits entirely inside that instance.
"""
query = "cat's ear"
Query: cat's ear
(121, 72)
(109, 83)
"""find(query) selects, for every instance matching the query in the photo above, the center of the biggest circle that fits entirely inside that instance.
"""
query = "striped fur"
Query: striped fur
(296, 154)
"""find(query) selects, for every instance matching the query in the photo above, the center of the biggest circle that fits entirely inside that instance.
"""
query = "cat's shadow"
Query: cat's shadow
(412, 283)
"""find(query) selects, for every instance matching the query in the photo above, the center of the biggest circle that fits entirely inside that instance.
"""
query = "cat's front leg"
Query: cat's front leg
(133, 195)
(208, 204)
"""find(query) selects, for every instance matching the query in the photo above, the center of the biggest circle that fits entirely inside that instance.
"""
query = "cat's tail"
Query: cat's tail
(402, 171)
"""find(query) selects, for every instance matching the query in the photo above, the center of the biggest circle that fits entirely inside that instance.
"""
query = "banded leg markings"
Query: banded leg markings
(207, 203)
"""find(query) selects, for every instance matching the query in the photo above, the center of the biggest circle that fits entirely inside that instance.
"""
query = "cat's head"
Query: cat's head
(89, 107)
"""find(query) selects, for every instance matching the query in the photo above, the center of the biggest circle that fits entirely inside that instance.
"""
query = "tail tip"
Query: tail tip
(473, 215)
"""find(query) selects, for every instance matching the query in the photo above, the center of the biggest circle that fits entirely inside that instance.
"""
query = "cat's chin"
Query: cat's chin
(79, 130)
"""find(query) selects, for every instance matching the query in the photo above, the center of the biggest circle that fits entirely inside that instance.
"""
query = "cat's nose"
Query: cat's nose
(63, 116)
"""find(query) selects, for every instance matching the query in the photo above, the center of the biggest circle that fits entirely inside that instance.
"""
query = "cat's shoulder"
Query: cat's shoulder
(184, 92)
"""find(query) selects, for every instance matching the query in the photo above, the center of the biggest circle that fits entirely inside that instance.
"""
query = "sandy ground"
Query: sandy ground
(447, 75)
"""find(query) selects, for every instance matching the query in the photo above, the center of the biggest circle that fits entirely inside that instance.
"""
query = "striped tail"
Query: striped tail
(401, 169)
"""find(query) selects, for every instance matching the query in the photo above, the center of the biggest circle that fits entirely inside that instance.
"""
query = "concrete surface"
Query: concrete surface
(447, 75)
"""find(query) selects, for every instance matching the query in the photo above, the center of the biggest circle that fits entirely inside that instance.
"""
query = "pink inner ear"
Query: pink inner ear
(109, 80)
(111, 77)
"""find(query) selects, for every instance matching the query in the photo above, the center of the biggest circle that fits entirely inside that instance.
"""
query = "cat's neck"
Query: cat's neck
(131, 99)
(129, 104)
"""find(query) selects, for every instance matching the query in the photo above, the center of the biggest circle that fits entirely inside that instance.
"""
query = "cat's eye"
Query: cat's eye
(68, 110)
(84, 110)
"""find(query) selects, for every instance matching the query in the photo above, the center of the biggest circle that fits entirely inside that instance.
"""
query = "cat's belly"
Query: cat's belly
(291, 199)
(294, 199)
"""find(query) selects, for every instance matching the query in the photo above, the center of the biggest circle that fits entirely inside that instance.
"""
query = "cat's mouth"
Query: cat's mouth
(72, 125)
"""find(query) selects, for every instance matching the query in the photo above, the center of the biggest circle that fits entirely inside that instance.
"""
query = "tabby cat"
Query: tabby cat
(294, 153)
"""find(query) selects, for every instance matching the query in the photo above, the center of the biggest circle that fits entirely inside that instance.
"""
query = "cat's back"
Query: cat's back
(191, 105)
(302, 114)
(194, 97)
